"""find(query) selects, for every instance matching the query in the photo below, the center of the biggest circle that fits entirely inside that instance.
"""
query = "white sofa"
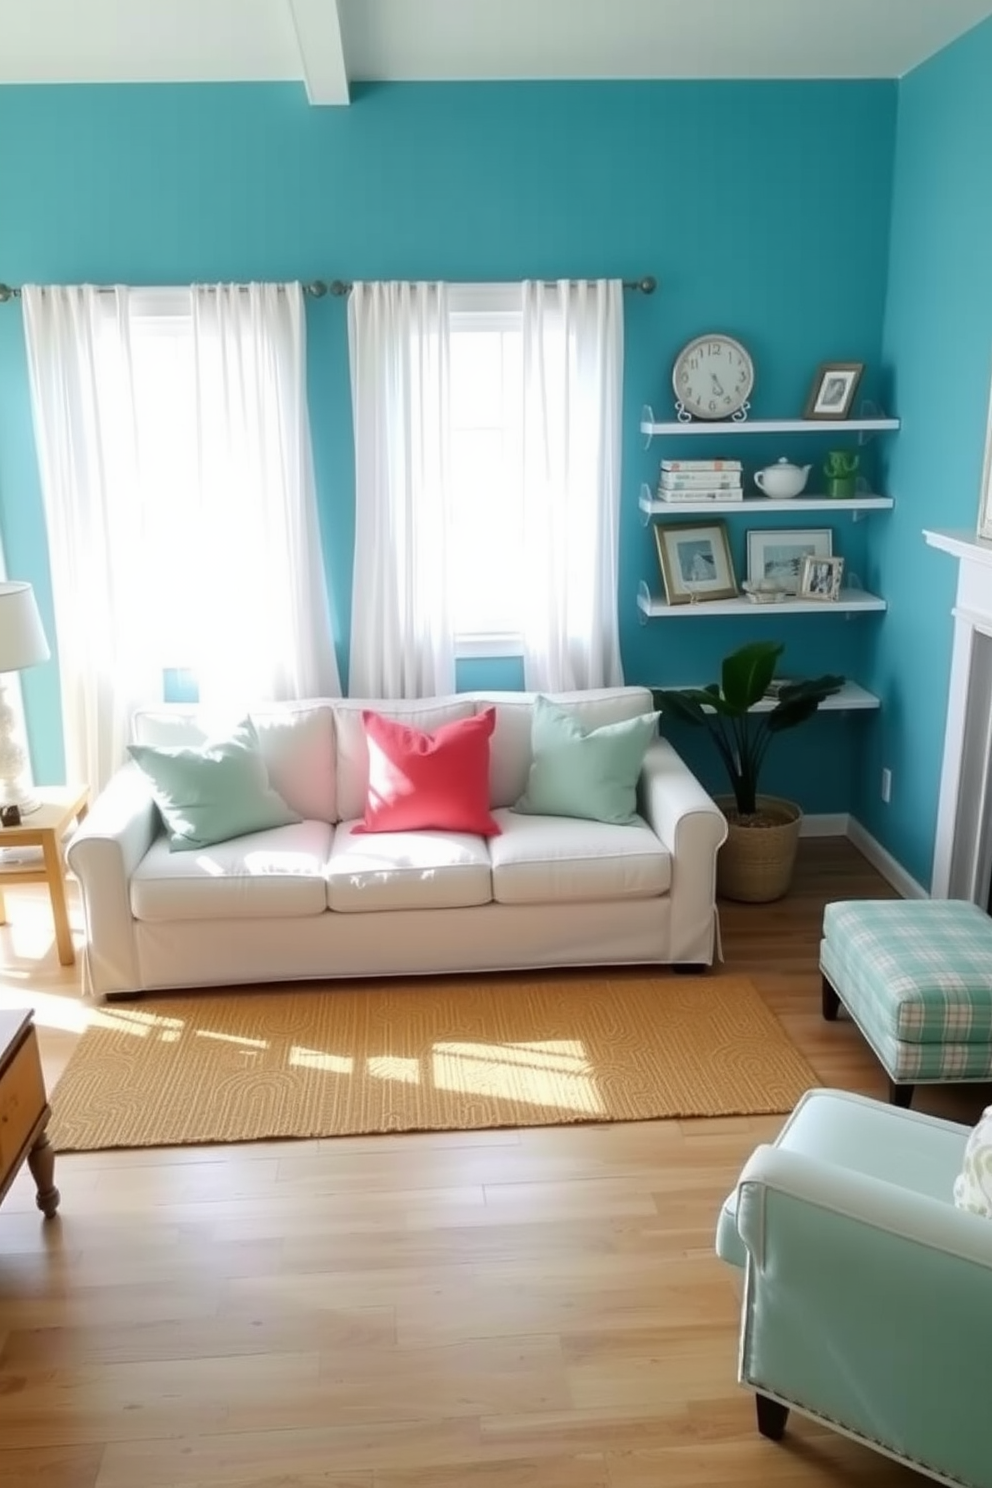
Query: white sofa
(313, 900)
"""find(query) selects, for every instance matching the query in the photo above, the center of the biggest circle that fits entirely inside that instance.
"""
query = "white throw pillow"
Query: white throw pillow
(295, 739)
(973, 1185)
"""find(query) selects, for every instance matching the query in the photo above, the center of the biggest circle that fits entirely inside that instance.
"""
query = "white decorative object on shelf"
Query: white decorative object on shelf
(765, 592)
(782, 481)
(712, 377)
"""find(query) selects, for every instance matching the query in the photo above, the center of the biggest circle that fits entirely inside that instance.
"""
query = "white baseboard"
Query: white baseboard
(880, 858)
(826, 824)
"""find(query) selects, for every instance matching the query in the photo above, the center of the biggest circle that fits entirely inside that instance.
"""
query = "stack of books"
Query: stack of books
(700, 480)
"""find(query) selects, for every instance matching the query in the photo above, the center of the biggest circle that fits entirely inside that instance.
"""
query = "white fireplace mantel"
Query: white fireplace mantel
(962, 860)
(963, 546)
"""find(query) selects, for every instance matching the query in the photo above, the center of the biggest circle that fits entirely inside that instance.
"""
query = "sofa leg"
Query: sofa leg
(900, 1095)
(689, 968)
(829, 1001)
(772, 1416)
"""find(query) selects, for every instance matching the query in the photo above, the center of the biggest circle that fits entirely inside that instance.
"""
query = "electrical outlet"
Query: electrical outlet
(886, 785)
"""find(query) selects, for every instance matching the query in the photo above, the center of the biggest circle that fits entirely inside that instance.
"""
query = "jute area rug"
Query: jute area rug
(422, 1054)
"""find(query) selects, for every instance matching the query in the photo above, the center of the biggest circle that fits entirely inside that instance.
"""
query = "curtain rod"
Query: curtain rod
(339, 287)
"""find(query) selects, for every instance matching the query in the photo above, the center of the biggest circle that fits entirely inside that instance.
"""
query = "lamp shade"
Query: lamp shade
(22, 639)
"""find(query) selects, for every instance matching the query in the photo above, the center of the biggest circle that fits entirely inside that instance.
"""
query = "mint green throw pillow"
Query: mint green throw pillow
(213, 792)
(586, 774)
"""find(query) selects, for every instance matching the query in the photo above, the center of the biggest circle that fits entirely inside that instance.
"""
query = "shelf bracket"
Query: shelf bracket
(647, 417)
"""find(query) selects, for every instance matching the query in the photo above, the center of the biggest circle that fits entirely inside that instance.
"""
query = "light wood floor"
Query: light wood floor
(512, 1309)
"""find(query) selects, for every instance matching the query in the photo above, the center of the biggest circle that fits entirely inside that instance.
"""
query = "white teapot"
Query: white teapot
(783, 479)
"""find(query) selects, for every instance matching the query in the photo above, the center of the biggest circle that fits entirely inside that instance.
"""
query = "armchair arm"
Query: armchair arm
(104, 852)
(870, 1306)
(692, 827)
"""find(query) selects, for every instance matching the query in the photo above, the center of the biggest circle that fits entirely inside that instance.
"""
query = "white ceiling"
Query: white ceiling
(327, 43)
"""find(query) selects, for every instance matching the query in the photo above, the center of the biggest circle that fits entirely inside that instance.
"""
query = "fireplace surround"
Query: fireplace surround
(962, 862)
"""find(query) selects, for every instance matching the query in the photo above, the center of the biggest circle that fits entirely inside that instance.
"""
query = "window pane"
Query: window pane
(487, 397)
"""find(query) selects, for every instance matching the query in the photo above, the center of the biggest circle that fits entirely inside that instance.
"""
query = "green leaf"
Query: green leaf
(800, 701)
(747, 673)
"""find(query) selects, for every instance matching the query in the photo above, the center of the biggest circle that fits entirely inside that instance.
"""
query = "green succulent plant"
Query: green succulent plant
(742, 737)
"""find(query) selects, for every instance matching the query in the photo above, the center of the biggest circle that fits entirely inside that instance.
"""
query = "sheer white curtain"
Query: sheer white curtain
(573, 394)
(174, 452)
(265, 631)
(402, 642)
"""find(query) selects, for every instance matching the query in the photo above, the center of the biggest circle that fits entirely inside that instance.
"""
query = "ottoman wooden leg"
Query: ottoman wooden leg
(772, 1416)
(829, 1001)
(900, 1095)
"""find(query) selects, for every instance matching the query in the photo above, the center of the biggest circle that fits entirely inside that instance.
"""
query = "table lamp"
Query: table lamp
(22, 644)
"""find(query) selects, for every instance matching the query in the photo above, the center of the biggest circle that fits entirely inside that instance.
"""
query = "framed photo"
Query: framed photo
(833, 390)
(695, 561)
(820, 577)
(775, 555)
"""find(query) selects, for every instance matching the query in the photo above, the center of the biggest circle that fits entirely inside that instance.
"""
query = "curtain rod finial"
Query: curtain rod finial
(648, 284)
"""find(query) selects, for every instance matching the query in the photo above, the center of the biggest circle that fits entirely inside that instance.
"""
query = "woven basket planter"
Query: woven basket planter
(755, 863)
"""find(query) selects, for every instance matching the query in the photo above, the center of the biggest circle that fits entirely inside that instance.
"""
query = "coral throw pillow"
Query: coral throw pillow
(421, 781)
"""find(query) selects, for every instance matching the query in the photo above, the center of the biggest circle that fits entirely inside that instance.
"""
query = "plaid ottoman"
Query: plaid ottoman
(916, 977)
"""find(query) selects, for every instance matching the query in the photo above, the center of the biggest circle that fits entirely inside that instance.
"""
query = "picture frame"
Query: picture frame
(695, 561)
(820, 578)
(775, 554)
(833, 390)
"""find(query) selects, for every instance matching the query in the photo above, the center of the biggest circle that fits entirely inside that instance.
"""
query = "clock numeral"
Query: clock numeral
(712, 405)
(714, 348)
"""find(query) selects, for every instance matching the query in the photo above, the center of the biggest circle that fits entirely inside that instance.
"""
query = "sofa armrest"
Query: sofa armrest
(692, 827)
(868, 1305)
(104, 852)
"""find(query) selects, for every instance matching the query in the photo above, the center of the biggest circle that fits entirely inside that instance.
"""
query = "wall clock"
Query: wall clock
(712, 377)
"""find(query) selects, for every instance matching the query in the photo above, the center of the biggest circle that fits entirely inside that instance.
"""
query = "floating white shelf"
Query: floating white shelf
(850, 699)
(765, 426)
(652, 507)
(851, 601)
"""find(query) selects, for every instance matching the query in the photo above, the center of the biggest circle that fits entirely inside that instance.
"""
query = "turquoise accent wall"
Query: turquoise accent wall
(938, 345)
(763, 209)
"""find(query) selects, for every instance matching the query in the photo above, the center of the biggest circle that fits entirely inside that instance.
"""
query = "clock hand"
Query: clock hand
(717, 385)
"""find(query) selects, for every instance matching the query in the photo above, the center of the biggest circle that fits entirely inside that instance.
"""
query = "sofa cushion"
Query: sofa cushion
(268, 875)
(425, 714)
(422, 781)
(590, 773)
(407, 870)
(510, 753)
(296, 740)
(558, 859)
(211, 792)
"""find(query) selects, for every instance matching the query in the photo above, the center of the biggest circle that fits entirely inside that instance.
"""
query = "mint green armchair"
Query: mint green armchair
(867, 1294)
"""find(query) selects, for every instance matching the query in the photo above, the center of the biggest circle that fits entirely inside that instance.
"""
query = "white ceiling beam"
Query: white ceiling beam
(317, 24)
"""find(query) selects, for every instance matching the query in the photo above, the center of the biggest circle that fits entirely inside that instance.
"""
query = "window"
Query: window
(486, 345)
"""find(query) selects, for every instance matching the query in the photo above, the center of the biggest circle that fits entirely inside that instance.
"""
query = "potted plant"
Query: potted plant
(755, 863)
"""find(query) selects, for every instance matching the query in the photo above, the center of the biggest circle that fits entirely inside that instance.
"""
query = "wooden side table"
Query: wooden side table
(24, 1111)
(45, 828)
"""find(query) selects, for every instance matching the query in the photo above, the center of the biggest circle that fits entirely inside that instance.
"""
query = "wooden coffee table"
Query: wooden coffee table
(24, 1110)
(45, 828)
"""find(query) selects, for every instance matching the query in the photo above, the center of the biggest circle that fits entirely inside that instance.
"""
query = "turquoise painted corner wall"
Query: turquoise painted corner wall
(762, 208)
(938, 343)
